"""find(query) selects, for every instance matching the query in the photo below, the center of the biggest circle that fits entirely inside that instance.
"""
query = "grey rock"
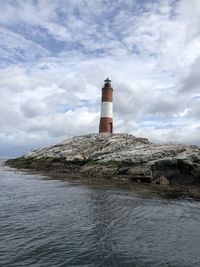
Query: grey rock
(112, 155)
(163, 181)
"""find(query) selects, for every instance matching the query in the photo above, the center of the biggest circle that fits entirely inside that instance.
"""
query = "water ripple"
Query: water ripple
(51, 223)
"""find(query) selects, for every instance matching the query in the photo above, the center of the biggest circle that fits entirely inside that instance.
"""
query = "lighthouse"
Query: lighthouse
(106, 120)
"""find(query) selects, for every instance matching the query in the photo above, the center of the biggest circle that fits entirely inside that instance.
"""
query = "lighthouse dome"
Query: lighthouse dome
(107, 82)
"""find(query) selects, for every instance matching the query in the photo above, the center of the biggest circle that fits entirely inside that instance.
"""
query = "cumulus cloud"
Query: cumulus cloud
(191, 82)
(54, 58)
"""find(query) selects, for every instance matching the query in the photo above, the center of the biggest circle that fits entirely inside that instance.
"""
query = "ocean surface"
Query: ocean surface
(46, 222)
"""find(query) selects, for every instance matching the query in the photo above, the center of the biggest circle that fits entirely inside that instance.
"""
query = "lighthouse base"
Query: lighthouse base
(106, 125)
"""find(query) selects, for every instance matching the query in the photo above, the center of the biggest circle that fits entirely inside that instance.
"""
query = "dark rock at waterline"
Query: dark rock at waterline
(117, 156)
(163, 181)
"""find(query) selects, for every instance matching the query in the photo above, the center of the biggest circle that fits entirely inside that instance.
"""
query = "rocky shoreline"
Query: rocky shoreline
(121, 158)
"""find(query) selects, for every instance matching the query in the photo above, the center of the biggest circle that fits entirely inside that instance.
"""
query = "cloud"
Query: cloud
(191, 82)
(32, 108)
(15, 48)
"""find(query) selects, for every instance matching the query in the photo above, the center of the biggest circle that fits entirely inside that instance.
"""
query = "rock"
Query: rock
(167, 166)
(117, 155)
(185, 165)
(140, 174)
(97, 171)
(195, 172)
(123, 170)
(163, 181)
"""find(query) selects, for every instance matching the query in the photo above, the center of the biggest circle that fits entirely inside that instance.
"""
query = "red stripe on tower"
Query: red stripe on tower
(106, 120)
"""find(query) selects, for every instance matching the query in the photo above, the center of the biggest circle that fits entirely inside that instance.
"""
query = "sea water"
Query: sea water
(46, 222)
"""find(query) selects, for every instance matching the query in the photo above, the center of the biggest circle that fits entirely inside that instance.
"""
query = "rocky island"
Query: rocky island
(118, 157)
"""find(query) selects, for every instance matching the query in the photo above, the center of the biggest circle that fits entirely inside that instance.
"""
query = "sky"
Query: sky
(55, 55)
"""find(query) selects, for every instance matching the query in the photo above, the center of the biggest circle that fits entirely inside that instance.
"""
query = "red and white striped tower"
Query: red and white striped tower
(106, 120)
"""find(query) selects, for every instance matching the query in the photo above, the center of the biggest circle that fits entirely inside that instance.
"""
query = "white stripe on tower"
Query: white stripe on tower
(106, 109)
